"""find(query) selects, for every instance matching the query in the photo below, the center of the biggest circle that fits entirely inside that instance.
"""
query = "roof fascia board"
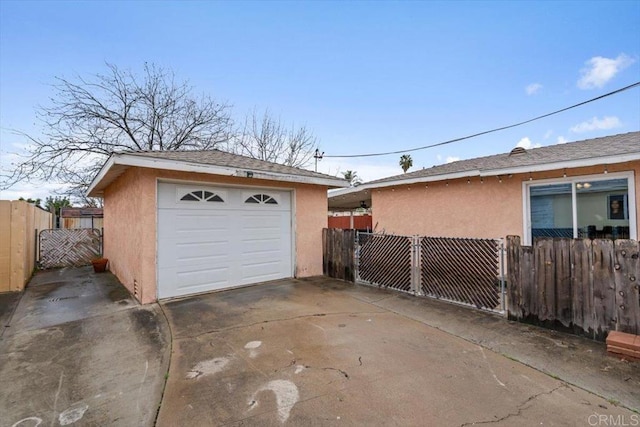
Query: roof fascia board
(100, 176)
(329, 182)
(397, 182)
(156, 163)
(148, 162)
(609, 160)
(164, 164)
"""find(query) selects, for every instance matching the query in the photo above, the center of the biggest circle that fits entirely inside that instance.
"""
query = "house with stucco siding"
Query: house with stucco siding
(184, 222)
(580, 189)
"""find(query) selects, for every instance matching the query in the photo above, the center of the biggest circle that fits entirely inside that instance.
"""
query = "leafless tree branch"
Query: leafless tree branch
(88, 119)
(266, 138)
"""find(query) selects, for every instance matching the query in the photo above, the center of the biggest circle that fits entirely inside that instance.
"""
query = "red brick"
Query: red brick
(623, 340)
(624, 352)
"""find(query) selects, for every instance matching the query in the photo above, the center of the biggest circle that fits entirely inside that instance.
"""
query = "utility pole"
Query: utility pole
(318, 156)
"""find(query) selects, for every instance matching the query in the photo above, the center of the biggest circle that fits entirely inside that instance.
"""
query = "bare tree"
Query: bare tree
(88, 119)
(267, 138)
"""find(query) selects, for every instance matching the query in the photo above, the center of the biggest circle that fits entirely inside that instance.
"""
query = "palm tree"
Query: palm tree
(352, 177)
(406, 162)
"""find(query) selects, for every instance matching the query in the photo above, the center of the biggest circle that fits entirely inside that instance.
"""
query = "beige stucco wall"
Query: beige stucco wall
(19, 222)
(130, 224)
(492, 209)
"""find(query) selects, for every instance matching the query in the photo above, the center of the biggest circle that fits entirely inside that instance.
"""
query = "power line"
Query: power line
(631, 86)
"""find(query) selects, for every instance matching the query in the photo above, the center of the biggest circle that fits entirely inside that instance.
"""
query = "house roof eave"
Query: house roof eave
(609, 160)
(110, 172)
(572, 164)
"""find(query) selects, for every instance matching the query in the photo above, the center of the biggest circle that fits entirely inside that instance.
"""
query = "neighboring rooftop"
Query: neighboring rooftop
(80, 212)
(606, 150)
(615, 146)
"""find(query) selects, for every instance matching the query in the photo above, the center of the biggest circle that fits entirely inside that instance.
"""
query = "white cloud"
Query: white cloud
(38, 190)
(609, 122)
(561, 140)
(599, 70)
(548, 134)
(533, 88)
(527, 144)
(448, 159)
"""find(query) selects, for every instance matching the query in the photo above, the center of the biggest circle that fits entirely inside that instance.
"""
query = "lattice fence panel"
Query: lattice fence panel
(462, 270)
(69, 247)
(385, 260)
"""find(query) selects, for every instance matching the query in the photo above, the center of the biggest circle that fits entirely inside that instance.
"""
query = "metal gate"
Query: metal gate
(68, 247)
(463, 271)
(385, 260)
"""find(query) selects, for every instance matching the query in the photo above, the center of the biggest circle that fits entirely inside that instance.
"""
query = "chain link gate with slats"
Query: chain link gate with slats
(62, 247)
(463, 271)
(385, 260)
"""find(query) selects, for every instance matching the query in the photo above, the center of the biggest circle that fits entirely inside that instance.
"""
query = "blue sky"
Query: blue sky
(364, 76)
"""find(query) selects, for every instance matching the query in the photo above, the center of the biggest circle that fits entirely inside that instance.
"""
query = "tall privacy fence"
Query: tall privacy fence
(19, 225)
(587, 286)
(465, 271)
(338, 259)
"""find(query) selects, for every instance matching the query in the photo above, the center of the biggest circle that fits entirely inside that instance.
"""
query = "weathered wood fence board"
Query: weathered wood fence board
(588, 286)
(582, 283)
(338, 260)
(626, 272)
(69, 247)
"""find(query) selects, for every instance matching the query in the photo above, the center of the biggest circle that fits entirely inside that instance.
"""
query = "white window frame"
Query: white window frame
(526, 202)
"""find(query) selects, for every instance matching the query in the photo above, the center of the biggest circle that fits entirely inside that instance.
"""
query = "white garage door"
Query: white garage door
(218, 237)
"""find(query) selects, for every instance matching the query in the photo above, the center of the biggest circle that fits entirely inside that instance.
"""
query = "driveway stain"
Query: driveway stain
(208, 367)
(286, 397)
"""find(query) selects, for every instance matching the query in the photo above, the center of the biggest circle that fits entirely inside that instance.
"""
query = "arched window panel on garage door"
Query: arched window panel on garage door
(201, 196)
(261, 199)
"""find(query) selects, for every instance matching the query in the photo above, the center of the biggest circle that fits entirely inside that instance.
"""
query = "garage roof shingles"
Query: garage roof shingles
(614, 145)
(222, 158)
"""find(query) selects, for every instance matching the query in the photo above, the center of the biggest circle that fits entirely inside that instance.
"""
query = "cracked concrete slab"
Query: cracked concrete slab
(81, 351)
(577, 360)
(334, 353)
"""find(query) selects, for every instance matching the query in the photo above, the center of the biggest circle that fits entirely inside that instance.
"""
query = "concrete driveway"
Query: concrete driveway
(322, 352)
(76, 349)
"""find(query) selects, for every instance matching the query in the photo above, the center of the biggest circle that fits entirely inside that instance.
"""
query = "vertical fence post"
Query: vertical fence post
(35, 248)
(417, 271)
(503, 305)
(356, 257)
(412, 264)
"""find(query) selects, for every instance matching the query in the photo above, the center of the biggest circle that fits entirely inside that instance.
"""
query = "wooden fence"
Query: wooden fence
(62, 247)
(587, 286)
(338, 258)
(19, 224)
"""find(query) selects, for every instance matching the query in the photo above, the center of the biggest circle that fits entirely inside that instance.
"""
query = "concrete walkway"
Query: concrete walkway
(576, 360)
(323, 352)
(76, 349)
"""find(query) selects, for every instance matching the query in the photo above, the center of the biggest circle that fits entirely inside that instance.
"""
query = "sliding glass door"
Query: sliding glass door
(590, 207)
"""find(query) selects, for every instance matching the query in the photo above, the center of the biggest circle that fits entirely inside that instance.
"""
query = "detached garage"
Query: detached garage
(181, 223)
